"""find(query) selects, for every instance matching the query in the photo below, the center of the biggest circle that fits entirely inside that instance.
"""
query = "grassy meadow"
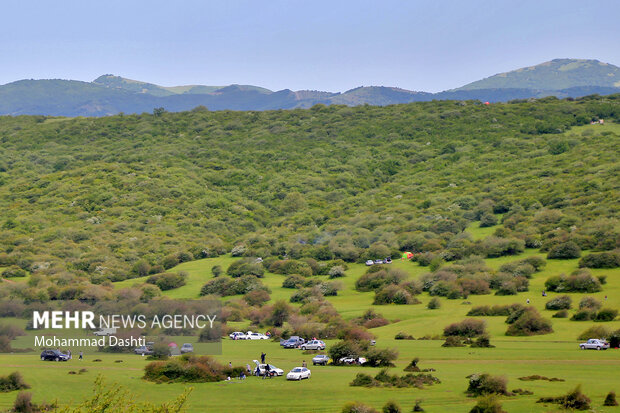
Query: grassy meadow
(552, 355)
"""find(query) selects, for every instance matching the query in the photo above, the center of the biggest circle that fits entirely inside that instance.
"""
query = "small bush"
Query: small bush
(482, 342)
(578, 282)
(168, 281)
(487, 404)
(13, 381)
(594, 332)
(186, 368)
(403, 336)
(574, 399)
(528, 324)
(357, 407)
(413, 365)
(256, 297)
(470, 327)
(216, 270)
(583, 315)
(336, 272)
(601, 260)
(562, 302)
(590, 303)
(537, 377)
(391, 407)
(453, 341)
(564, 251)
(483, 384)
(560, 314)
(14, 271)
(606, 314)
(434, 304)
(610, 399)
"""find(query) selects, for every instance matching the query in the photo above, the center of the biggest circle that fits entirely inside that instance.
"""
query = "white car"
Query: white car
(594, 344)
(369, 262)
(105, 332)
(352, 360)
(237, 335)
(298, 373)
(313, 345)
(260, 369)
(255, 336)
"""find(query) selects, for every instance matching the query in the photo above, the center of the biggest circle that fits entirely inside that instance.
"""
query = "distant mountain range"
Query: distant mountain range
(109, 94)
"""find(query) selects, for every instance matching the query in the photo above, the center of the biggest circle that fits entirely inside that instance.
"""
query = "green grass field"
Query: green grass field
(553, 355)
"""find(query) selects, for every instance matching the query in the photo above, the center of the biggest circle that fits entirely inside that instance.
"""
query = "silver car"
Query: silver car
(313, 345)
(594, 344)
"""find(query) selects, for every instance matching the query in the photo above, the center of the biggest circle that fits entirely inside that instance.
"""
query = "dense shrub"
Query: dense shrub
(528, 324)
(487, 404)
(601, 260)
(562, 302)
(483, 384)
(190, 369)
(469, 327)
(403, 336)
(291, 267)
(225, 286)
(488, 220)
(377, 279)
(482, 342)
(336, 272)
(434, 304)
(453, 341)
(394, 294)
(391, 407)
(376, 357)
(168, 281)
(14, 271)
(494, 247)
(560, 314)
(384, 379)
(257, 297)
(216, 270)
(578, 282)
(13, 381)
(496, 310)
(614, 339)
(566, 250)
(610, 399)
(589, 303)
(293, 281)
(594, 332)
(606, 314)
(584, 315)
(245, 266)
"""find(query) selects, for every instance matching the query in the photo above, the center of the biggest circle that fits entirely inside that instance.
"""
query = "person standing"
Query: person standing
(262, 358)
(304, 364)
(81, 355)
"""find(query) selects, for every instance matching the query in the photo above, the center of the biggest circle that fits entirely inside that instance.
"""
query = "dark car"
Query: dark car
(292, 342)
(53, 355)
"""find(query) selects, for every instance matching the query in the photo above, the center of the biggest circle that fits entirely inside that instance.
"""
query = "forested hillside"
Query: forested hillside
(95, 199)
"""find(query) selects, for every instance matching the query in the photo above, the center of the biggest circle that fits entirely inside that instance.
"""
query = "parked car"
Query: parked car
(378, 261)
(313, 345)
(373, 342)
(298, 373)
(143, 350)
(370, 262)
(260, 369)
(320, 359)
(292, 342)
(352, 360)
(255, 336)
(388, 260)
(187, 348)
(105, 332)
(237, 335)
(594, 344)
(53, 355)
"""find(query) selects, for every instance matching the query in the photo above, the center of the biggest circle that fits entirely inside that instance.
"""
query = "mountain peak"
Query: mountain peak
(555, 74)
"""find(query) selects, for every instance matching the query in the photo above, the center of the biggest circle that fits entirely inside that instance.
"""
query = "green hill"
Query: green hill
(554, 75)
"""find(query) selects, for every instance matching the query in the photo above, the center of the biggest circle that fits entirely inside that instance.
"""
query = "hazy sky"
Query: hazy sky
(325, 45)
